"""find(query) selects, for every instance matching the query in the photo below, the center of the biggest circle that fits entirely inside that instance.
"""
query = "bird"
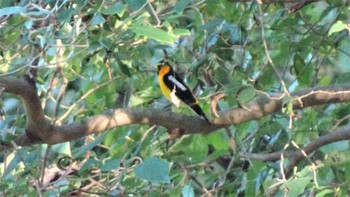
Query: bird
(174, 88)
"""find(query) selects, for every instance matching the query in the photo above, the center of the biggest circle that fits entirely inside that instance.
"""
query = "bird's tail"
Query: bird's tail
(199, 111)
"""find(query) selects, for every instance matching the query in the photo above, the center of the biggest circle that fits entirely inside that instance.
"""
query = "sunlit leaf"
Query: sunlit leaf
(338, 26)
(153, 33)
(181, 32)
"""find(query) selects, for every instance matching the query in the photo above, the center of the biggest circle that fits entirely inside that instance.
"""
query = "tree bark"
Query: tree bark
(40, 130)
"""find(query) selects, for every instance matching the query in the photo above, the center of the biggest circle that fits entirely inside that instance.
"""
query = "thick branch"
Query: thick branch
(34, 113)
(260, 107)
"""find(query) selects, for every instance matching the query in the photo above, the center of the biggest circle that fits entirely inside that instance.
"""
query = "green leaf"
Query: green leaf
(153, 33)
(246, 95)
(218, 140)
(193, 148)
(12, 10)
(111, 164)
(88, 147)
(334, 147)
(338, 26)
(65, 15)
(154, 170)
(325, 80)
(143, 96)
(14, 163)
(181, 5)
(124, 68)
(181, 32)
(97, 19)
(326, 192)
(297, 186)
(117, 8)
(62, 148)
(91, 163)
(187, 191)
(303, 71)
(135, 4)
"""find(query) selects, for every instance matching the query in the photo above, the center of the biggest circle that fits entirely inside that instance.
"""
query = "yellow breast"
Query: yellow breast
(165, 90)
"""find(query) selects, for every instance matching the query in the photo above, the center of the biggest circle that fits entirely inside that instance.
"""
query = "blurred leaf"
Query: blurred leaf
(97, 19)
(257, 175)
(124, 68)
(297, 185)
(135, 4)
(82, 150)
(302, 71)
(187, 191)
(325, 192)
(12, 10)
(112, 164)
(65, 15)
(116, 8)
(91, 163)
(181, 32)
(154, 170)
(153, 33)
(62, 148)
(14, 162)
(193, 148)
(246, 95)
(181, 5)
(338, 26)
(334, 147)
(325, 81)
(218, 140)
(143, 96)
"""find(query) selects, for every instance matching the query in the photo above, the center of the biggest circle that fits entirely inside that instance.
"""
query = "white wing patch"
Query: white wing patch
(177, 83)
(173, 98)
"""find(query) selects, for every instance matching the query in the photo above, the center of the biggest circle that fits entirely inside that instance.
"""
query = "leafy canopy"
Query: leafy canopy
(95, 51)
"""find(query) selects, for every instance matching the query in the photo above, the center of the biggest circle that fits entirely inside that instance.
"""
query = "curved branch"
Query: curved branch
(294, 156)
(34, 113)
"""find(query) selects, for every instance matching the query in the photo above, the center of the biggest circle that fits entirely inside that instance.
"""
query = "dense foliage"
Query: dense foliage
(89, 56)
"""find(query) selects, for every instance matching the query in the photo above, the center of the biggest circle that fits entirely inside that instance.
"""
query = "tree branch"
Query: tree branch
(294, 156)
(261, 106)
(267, 104)
(34, 113)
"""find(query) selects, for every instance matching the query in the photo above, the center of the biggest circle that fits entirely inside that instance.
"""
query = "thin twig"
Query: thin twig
(82, 98)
